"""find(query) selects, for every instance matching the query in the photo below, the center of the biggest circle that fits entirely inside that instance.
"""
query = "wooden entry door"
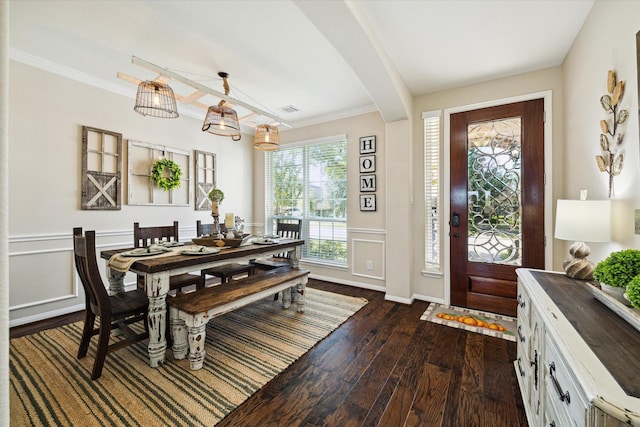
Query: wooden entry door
(497, 202)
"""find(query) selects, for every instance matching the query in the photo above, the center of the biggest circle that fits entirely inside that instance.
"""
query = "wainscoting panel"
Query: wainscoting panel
(367, 257)
(41, 277)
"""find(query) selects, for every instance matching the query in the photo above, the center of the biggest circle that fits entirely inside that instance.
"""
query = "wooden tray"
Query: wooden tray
(214, 241)
(628, 314)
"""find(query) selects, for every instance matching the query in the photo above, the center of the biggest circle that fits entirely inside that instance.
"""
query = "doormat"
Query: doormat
(481, 322)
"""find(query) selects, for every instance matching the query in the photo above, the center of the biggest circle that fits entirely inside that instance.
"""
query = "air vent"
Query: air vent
(289, 109)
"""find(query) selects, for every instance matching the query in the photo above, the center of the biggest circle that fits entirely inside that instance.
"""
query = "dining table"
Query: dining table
(157, 268)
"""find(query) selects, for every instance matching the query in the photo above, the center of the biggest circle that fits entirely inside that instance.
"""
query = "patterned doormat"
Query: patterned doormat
(481, 322)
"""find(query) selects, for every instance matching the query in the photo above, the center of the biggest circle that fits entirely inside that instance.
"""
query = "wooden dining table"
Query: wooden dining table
(156, 271)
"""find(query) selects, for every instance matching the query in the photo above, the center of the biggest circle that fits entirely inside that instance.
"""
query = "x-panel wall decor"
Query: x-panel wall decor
(205, 178)
(101, 169)
(142, 189)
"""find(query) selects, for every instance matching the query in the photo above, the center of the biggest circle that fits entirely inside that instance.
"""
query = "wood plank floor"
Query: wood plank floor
(385, 367)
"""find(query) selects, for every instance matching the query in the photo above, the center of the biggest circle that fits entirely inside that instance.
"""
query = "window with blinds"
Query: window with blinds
(432, 191)
(308, 181)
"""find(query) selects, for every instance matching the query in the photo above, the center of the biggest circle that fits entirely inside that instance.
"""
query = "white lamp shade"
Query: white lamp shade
(583, 220)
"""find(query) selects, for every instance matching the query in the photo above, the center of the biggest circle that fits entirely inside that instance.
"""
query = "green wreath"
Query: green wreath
(170, 182)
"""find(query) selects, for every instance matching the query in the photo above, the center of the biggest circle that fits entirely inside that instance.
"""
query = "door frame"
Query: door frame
(548, 171)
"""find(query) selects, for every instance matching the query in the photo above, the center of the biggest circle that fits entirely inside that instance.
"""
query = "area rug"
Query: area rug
(480, 322)
(245, 349)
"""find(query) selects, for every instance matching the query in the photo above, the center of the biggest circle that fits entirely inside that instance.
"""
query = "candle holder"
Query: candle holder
(216, 226)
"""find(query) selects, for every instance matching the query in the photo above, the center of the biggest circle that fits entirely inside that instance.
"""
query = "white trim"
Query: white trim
(432, 113)
(47, 315)
(348, 282)
(400, 300)
(324, 264)
(323, 140)
(548, 170)
(427, 298)
(338, 115)
(367, 231)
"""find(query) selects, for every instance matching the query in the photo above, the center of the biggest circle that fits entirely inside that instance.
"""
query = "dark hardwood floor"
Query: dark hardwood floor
(384, 367)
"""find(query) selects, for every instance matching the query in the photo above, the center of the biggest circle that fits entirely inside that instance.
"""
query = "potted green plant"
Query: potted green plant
(633, 292)
(616, 271)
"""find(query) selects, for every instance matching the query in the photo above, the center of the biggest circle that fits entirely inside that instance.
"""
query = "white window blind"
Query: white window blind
(432, 191)
(308, 181)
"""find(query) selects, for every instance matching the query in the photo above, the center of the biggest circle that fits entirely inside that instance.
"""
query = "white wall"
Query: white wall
(432, 287)
(366, 231)
(607, 41)
(46, 115)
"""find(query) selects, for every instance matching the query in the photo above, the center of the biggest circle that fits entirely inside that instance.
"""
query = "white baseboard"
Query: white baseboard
(47, 315)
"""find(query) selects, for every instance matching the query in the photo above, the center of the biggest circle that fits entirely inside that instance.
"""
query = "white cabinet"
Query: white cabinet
(568, 376)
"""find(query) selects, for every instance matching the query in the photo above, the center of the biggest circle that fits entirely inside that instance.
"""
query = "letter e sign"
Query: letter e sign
(367, 202)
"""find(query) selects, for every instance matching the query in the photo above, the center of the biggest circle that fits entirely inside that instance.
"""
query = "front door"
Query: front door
(497, 202)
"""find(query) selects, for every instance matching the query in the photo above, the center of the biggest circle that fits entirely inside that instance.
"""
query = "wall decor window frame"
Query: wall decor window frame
(204, 178)
(142, 191)
(101, 187)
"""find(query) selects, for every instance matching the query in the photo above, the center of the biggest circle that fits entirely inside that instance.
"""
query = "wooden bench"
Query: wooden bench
(190, 312)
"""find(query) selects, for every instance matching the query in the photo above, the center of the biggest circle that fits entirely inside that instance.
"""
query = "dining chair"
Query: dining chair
(287, 229)
(145, 236)
(114, 311)
(225, 272)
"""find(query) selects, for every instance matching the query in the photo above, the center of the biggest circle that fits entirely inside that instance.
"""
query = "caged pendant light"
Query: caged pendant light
(156, 99)
(267, 138)
(221, 119)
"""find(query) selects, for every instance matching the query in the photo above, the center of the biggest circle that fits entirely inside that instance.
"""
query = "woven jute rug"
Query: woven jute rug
(245, 349)
(481, 322)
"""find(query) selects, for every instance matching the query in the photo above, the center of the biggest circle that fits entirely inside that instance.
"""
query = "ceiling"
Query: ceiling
(328, 59)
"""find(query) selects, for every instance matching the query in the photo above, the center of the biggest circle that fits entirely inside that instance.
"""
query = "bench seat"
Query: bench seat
(190, 312)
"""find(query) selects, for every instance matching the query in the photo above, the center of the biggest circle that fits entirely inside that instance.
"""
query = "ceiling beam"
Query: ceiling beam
(344, 26)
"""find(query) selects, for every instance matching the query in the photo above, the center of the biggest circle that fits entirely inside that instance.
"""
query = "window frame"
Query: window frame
(310, 221)
(432, 135)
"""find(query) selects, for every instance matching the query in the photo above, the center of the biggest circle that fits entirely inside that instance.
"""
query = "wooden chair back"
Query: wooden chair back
(288, 229)
(84, 252)
(145, 236)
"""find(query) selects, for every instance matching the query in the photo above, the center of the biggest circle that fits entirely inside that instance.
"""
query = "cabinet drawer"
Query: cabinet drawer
(524, 307)
(562, 389)
(551, 417)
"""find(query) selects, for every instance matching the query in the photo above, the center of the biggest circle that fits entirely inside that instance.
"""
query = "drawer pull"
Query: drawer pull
(552, 424)
(522, 338)
(520, 368)
(563, 396)
(521, 301)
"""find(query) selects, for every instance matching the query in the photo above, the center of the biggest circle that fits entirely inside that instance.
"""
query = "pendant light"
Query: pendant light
(221, 119)
(267, 138)
(156, 99)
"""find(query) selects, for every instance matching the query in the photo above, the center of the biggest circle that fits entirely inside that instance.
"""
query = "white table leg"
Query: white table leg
(178, 334)
(197, 338)
(116, 281)
(299, 294)
(157, 287)
(286, 298)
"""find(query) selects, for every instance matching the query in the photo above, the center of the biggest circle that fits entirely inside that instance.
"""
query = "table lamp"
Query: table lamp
(582, 221)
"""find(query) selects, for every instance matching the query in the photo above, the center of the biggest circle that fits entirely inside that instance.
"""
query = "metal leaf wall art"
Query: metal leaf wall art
(612, 158)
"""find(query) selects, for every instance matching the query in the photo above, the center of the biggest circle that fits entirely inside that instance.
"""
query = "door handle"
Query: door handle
(455, 220)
